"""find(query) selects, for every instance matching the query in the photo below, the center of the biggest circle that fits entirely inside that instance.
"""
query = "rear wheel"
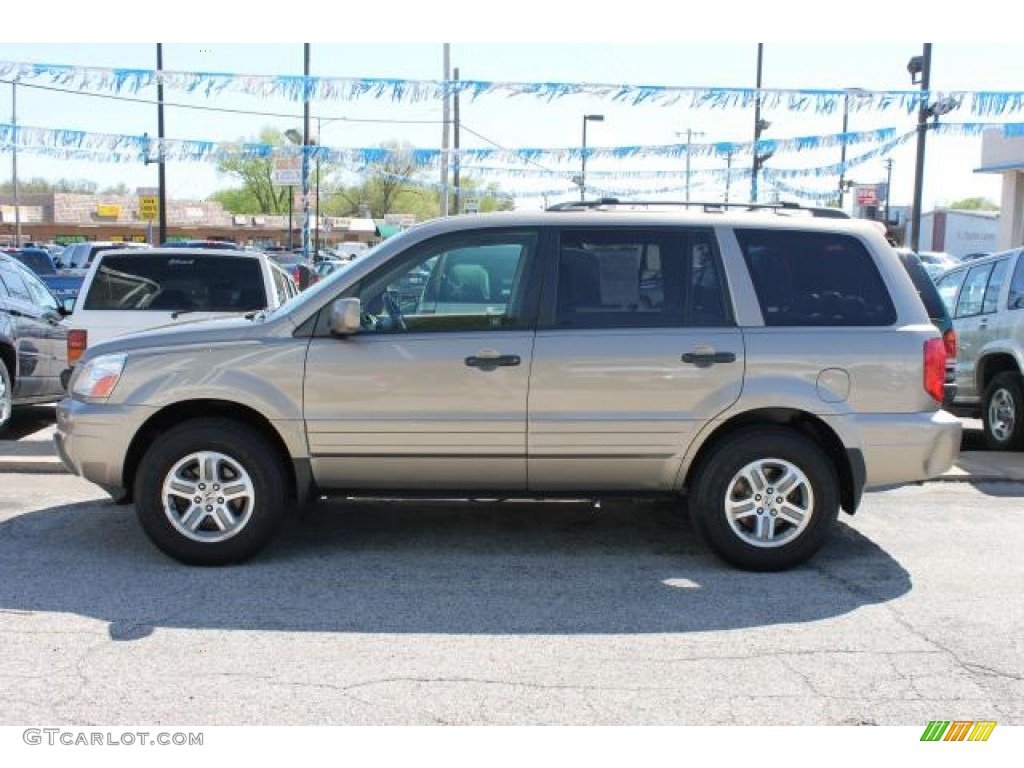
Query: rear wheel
(1003, 412)
(765, 499)
(6, 396)
(210, 492)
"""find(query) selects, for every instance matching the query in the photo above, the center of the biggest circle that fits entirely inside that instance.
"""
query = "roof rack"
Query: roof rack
(708, 206)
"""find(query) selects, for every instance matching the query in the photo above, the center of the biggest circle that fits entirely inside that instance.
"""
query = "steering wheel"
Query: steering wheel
(394, 311)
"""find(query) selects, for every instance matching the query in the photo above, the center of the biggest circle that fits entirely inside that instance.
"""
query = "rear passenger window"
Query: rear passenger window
(815, 279)
(972, 294)
(948, 285)
(994, 288)
(1016, 297)
(626, 278)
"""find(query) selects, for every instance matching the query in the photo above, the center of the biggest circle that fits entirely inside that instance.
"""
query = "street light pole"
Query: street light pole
(161, 169)
(923, 67)
(758, 125)
(842, 152)
(14, 162)
(305, 156)
(583, 154)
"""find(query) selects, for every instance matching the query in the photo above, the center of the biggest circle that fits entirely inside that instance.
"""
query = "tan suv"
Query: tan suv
(768, 367)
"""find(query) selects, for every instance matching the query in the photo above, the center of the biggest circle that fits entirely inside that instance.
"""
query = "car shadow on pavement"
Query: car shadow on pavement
(433, 567)
(27, 419)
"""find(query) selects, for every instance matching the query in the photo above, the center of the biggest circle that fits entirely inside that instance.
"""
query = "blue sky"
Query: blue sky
(519, 122)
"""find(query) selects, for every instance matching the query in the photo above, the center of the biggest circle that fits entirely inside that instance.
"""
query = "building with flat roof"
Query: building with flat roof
(72, 217)
(1005, 155)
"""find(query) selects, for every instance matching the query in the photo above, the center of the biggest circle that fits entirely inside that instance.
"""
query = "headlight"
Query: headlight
(99, 377)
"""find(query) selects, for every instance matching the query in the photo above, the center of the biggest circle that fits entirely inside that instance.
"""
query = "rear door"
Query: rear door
(38, 335)
(636, 350)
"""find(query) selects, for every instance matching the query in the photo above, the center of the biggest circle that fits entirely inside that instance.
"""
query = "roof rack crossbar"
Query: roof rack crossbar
(707, 205)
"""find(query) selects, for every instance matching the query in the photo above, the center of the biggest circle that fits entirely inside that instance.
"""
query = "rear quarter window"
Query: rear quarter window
(215, 283)
(815, 279)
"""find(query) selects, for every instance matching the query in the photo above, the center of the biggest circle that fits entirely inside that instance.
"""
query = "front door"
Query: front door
(431, 393)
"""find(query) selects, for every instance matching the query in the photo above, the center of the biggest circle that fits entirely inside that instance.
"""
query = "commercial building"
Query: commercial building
(1005, 155)
(68, 217)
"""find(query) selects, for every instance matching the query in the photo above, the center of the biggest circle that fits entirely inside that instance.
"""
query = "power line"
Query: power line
(179, 105)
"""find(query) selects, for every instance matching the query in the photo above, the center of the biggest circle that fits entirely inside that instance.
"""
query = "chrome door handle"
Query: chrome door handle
(704, 359)
(487, 363)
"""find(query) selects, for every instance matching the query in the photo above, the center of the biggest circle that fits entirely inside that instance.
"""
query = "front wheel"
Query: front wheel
(765, 499)
(1003, 412)
(210, 492)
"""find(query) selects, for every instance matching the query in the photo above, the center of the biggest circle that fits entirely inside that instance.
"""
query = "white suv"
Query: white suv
(133, 290)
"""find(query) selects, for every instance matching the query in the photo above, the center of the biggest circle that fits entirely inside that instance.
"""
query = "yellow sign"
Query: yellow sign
(148, 208)
(108, 211)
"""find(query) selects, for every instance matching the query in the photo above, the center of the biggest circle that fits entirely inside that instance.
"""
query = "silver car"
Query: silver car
(985, 298)
(764, 369)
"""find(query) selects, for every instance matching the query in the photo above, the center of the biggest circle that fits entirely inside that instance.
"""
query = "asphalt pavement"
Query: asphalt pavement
(28, 447)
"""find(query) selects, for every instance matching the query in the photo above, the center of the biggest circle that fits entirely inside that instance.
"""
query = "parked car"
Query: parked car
(61, 284)
(937, 313)
(223, 245)
(32, 340)
(937, 262)
(127, 290)
(986, 300)
(302, 271)
(84, 253)
(768, 369)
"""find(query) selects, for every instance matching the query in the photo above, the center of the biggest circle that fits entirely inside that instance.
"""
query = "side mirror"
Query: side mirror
(67, 306)
(345, 317)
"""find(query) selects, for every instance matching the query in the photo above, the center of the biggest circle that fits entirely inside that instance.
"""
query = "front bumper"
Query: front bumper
(92, 439)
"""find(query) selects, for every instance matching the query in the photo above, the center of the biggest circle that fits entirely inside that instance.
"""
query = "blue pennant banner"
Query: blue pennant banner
(298, 88)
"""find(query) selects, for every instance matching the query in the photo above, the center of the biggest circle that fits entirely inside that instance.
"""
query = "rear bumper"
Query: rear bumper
(908, 447)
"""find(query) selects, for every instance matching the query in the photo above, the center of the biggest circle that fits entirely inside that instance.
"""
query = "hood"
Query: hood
(216, 330)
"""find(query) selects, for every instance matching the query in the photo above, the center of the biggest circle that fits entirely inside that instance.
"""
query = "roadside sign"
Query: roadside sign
(149, 208)
(287, 172)
(472, 205)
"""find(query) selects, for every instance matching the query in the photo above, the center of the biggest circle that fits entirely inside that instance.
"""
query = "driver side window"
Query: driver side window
(452, 284)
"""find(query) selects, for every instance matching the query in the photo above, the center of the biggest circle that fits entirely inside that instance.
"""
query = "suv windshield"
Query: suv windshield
(215, 283)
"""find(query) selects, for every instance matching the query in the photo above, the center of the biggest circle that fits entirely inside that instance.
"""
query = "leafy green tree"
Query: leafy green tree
(974, 204)
(38, 186)
(257, 193)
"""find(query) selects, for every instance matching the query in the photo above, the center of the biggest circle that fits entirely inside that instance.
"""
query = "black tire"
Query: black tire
(772, 450)
(231, 449)
(1002, 412)
(6, 397)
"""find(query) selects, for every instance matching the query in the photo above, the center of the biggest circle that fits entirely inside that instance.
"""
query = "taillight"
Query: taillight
(935, 368)
(78, 339)
(949, 339)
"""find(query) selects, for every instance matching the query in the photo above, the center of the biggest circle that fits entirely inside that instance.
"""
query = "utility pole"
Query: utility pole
(922, 130)
(888, 186)
(14, 162)
(758, 126)
(305, 153)
(456, 160)
(689, 136)
(160, 168)
(728, 174)
(445, 130)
